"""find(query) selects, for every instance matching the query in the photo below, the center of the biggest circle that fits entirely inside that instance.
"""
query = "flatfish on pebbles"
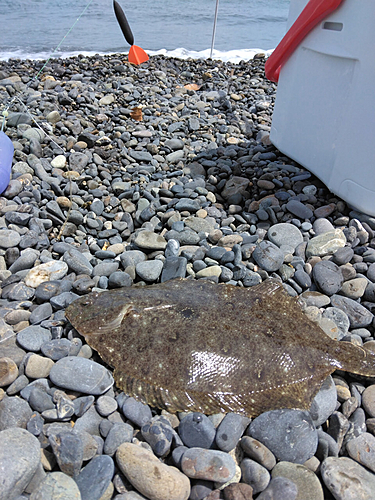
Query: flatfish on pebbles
(196, 345)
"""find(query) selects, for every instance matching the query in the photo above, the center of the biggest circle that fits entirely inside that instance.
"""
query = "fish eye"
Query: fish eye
(85, 303)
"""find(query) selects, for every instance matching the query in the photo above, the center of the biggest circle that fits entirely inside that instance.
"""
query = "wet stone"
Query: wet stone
(211, 465)
(19, 291)
(196, 429)
(255, 475)
(301, 439)
(299, 209)
(82, 375)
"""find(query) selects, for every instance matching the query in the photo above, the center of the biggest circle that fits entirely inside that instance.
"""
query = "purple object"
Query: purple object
(6, 156)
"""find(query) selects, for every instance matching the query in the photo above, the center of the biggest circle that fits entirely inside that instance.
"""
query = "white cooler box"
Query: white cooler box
(324, 115)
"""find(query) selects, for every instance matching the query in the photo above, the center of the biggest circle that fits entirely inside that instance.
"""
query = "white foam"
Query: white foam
(233, 56)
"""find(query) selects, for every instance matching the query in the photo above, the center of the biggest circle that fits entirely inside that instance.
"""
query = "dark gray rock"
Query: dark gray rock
(268, 256)
(68, 450)
(280, 488)
(159, 435)
(173, 267)
(197, 430)
(230, 431)
(94, 479)
(358, 315)
(14, 412)
(56, 348)
(289, 434)
(77, 262)
(137, 412)
(33, 337)
(328, 277)
(118, 434)
(255, 475)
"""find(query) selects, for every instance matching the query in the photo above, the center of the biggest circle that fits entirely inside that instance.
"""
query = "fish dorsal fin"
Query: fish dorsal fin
(355, 359)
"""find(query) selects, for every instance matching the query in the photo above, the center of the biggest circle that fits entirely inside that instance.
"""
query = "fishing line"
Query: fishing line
(5, 112)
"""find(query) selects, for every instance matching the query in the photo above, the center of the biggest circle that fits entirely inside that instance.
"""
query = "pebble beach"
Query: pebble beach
(126, 175)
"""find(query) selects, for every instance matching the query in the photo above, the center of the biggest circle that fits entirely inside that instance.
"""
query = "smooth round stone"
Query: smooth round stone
(362, 449)
(56, 349)
(340, 319)
(196, 429)
(188, 205)
(211, 465)
(174, 144)
(118, 434)
(51, 270)
(343, 255)
(106, 405)
(368, 400)
(347, 479)
(19, 461)
(9, 238)
(257, 451)
(150, 241)
(41, 313)
(209, 271)
(159, 435)
(268, 256)
(33, 337)
(94, 479)
(14, 412)
(324, 403)
(119, 279)
(216, 253)
(285, 234)
(89, 421)
(280, 488)
(56, 486)
(136, 411)
(315, 299)
(358, 315)
(230, 431)
(308, 485)
(322, 225)
(38, 366)
(62, 300)
(40, 401)
(48, 289)
(24, 261)
(298, 209)
(150, 477)
(77, 262)
(20, 291)
(355, 288)
(105, 268)
(8, 371)
(371, 272)
(255, 475)
(149, 270)
(82, 375)
(300, 436)
(328, 277)
(132, 257)
(326, 243)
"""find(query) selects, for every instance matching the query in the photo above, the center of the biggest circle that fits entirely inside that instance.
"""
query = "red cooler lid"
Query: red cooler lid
(314, 12)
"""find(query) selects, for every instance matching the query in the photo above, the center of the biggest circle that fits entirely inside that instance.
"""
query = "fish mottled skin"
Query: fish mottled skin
(195, 345)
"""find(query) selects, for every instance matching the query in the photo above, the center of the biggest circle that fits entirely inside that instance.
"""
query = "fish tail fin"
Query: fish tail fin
(355, 359)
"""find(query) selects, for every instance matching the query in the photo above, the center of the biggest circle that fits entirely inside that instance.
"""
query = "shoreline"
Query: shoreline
(133, 168)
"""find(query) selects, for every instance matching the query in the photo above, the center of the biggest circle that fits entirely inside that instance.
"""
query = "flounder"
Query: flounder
(195, 345)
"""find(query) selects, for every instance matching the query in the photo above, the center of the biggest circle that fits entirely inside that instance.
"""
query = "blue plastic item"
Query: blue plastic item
(6, 156)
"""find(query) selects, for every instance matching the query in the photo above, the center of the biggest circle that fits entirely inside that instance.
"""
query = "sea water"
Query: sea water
(34, 29)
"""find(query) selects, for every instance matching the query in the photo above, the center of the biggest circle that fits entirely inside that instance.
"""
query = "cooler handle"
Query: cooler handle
(314, 12)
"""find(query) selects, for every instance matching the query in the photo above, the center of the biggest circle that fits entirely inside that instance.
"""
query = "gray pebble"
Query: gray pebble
(285, 234)
(149, 270)
(77, 262)
(210, 465)
(118, 434)
(230, 431)
(159, 435)
(24, 261)
(280, 488)
(257, 451)
(41, 313)
(95, 477)
(173, 267)
(328, 277)
(359, 316)
(339, 317)
(39, 400)
(324, 403)
(35, 424)
(106, 405)
(82, 404)
(119, 279)
(82, 375)
(89, 422)
(255, 475)
(197, 430)
(19, 459)
(268, 256)
(62, 300)
(137, 412)
(299, 209)
(45, 291)
(9, 238)
(105, 268)
(14, 412)
(56, 348)
(299, 437)
(68, 450)
(56, 482)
